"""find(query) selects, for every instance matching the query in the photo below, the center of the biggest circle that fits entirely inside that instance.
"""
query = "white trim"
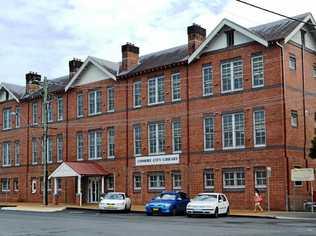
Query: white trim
(203, 81)
(254, 128)
(233, 25)
(252, 72)
(81, 69)
(172, 78)
(233, 131)
(204, 141)
(135, 83)
(8, 90)
(63, 170)
(156, 90)
(172, 133)
(232, 79)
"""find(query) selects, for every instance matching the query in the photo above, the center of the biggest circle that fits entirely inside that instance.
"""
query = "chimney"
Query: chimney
(32, 82)
(130, 56)
(74, 66)
(196, 35)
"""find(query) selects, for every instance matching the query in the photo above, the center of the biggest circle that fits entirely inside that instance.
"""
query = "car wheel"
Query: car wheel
(148, 213)
(216, 213)
(189, 215)
(174, 211)
(127, 209)
(227, 212)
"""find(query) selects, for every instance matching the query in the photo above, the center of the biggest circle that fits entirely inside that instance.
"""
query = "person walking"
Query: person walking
(258, 201)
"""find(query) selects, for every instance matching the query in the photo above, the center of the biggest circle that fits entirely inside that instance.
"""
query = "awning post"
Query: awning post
(102, 185)
(55, 186)
(79, 189)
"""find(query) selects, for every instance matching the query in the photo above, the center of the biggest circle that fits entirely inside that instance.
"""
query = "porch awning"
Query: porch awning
(73, 169)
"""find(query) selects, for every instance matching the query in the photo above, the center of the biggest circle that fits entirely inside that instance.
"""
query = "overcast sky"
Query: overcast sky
(43, 35)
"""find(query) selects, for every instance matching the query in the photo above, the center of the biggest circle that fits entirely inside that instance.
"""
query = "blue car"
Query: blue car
(168, 203)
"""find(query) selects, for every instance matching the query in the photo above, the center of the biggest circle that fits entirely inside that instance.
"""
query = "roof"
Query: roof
(16, 91)
(112, 67)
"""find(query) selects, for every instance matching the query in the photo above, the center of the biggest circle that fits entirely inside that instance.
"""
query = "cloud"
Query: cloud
(41, 35)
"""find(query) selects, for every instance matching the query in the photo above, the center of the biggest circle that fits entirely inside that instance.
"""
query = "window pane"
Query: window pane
(80, 105)
(257, 71)
(161, 90)
(111, 142)
(176, 87)
(228, 130)
(259, 128)
(208, 179)
(226, 77)
(111, 98)
(137, 140)
(208, 133)
(239, 130)
(207, 80)
(176, 131)
(152, 91)
(238, 74)
(161, 137)
(137, 94)
(79, 146)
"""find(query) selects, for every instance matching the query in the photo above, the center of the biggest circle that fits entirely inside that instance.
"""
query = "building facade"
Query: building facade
(210, 115)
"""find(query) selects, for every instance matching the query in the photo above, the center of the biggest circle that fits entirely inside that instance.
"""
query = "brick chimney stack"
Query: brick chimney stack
(74, 66)
(130, 56)
(196, 36)
(32, 82)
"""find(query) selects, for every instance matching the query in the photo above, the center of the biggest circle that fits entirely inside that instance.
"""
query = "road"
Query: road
(91, 223)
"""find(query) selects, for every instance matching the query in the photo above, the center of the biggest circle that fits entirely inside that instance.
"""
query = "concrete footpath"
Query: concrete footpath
(36, 207)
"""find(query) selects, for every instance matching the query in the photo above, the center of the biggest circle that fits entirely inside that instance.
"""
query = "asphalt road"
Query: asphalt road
(90, 223)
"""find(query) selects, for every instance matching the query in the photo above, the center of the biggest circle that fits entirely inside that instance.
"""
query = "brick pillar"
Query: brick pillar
(78, 199)
(249, 188)
(218, 183)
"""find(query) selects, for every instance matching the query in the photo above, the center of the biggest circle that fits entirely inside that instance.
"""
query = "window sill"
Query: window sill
(110, 111)
(6, 129)
(6, 166)
(176, 152)
(209, 189)
(95, 159)
(233, 148)
(5, 191)
(208, 95)
(95, 114)
(156, 154)
(231, 91)
(258, 86)
(111, 157)
(260, 146)
(233, 189)
(137, 107)
(176, 100)
(137, 191)
(209, 150)
(156, 190)
(155, 104)
(80, 117)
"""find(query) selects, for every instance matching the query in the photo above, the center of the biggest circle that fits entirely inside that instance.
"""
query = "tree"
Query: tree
(312, 150)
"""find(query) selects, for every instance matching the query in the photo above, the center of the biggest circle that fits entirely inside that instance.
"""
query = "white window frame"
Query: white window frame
(7, 124)
(253, 72)
(208, 66)
(95, 102)
(232, 79)
(5, 188)
(6, 159)
(79, 146)
(49, 107)
(16, 187)
(17, 153)
(260, 169)
(136, 141)
(314, 71)
(59, 147)
(136, 188)
(135, 96)
(160, 179)
(156, 79)
(49, 150)
(33, 186)
(174, 180)
(255, 128)
(80, 110)
(17, 117)
(110, 95)
(34, 113)
(233, 130)
(292, 62)
(206, 179)
(235, 172)
(95, 137)
(111, 142)
(157, 138)
(294, 125)
(173, 77)
(60, 108)
(34, 148)
(204, 133)
(108, 187)
(174, 137)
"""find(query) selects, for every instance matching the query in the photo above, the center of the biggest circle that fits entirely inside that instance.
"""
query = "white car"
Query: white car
(115, 201)
(214, 204)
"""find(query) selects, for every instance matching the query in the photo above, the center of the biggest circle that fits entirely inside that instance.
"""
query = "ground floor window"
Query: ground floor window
(5, 185)
(137, 182)
(176, 180)
(261, 177)
(110, 183)
(16, 184)
(59, 184)
(33, 185)
(208, 179)
(156, 181)
(234, 178)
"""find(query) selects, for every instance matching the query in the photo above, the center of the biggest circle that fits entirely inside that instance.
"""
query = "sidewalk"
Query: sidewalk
(37, 207)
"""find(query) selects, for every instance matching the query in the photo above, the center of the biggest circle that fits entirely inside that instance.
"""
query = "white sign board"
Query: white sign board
(157, 160)
(303, 174)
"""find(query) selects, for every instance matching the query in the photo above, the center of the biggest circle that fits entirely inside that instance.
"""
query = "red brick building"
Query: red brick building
(210, 115)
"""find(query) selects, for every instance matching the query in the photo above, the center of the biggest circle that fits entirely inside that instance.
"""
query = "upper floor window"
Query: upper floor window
(176, 136)
(232, 75)
(49, 107)
(137, 140)
(17, 153)
(137, 92)
(230, 38)
(259, 128)
(208, 133)
(6, 160)
(35, 113)
(156, 135)
(234, 178)
(60, 147)
(209, 179)
(49, 150)
(176, 84)
(111, 142)
(294, 119)
(292, 63)
(17, 117)
(314, 71)
(257, 71)
(110, 99)
(79, 146)
(80, 105)
(207, 75)
(60, 108)
(233, 131)
(34, 151)
(7, 118)
(156, 91)
(95, 144)
(95, 102)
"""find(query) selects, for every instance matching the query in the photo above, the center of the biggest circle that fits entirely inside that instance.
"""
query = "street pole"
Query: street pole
(45, 129)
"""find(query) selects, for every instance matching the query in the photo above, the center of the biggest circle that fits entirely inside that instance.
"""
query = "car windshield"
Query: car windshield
(166, 196)
(205, 197)
(114, 196)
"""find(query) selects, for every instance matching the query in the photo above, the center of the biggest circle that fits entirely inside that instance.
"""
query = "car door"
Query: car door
(225, 203)
(221, 204)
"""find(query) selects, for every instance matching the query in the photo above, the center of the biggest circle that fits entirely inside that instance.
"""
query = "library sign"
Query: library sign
(157, 160)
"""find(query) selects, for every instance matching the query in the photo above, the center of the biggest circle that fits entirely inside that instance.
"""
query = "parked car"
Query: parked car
(115, 201)
(168, 203)
(214, 204)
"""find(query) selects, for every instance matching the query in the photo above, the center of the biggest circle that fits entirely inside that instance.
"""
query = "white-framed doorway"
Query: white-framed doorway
(94, 189)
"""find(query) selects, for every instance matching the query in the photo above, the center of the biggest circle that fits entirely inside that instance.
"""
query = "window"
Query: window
(16, 184)
(18, 117)
(80, 105)
(33, 185)
(95, 145)
(79, 146)
(7, 118)
(60, 109)
(34, 151)
(208, 179)
(156, 92)
(259, 128)
(5, 185)
(207, 75)
(176, 83)
(137, 182)
(137, 87)
(110, 183)
(111, 142)
(232, 76)
(34, 113)
(257, 71)
(298, 183)
(314, 71)
(176, 180)
(6, 161)
(233, 131)
(156, 138)
(230, 38)
(208, 133)
(176, 136)
(49, 107)
(94, 102)
(156, 181)
(60, 147)
(110, 99)
(294, 119)
(59, 184)
(292, 63)
(137, 140)
(17, 153)
(234, 178)
(49, 150)
(261, 177)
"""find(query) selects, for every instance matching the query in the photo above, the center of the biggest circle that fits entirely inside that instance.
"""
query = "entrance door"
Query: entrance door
(94, 189)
